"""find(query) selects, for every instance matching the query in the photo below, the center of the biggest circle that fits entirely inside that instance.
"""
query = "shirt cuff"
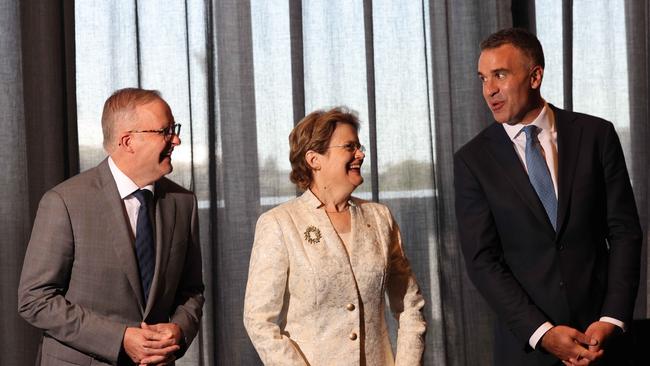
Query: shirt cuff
(539, 333)
(614, 321)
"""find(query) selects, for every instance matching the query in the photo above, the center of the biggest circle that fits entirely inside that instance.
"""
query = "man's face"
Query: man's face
(510, 84)
(153, 150)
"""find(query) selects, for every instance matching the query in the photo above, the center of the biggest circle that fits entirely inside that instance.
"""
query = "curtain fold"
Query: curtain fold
(38, 145)
(460, 113)
(18, 346)
(237, 163)
(49, 132)
(637, 15)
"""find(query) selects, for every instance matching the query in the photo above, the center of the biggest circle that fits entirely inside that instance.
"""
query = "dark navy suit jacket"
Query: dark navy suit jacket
(527, 272)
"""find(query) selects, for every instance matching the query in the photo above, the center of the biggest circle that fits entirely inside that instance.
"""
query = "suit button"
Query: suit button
(353, 336)
(560, 247)
(561, 283)
(349, 307)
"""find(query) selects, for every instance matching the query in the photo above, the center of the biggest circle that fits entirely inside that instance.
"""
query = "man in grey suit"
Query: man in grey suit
(112, 273)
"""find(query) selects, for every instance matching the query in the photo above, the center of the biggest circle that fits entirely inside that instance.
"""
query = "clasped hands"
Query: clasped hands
(575, 348)
(152, 344)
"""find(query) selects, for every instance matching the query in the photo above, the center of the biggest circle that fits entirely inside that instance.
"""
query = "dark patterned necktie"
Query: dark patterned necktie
(144, 245)
(539, 175)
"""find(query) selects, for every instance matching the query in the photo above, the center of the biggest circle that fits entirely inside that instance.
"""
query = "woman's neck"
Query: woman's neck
(334, 200)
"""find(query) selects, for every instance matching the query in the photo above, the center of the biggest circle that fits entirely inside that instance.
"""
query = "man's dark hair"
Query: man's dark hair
(519, 38)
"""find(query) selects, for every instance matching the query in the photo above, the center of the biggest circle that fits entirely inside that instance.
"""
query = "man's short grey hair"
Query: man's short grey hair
(120, 106)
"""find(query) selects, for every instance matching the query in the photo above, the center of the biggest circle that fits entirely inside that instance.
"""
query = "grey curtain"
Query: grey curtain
(14, 208)
(638, 58)
(460, 113)
(238, 74)
(38, 143)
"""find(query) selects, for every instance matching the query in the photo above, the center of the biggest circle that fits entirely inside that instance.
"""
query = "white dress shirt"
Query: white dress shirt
(547, 137)
(126, 187)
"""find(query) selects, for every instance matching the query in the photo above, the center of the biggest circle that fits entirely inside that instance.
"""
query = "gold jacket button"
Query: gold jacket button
(350, 307)
(353, 336)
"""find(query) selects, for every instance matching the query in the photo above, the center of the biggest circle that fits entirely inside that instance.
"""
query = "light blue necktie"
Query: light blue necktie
(539, 175)
(144, 245)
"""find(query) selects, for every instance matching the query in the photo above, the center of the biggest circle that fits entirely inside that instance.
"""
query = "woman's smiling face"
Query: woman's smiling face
(341, 163)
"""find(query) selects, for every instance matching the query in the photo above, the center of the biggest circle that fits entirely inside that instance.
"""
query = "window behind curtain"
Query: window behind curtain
(599, 72)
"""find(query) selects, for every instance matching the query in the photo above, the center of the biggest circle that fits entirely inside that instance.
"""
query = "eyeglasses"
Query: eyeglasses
(351, 147)
(167, 132)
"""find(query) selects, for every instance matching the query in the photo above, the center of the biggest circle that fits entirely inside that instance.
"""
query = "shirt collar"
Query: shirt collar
(544, 120)
(310, 199)
(125, 186)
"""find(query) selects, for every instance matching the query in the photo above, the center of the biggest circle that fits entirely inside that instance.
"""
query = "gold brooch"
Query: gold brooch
(312, 235)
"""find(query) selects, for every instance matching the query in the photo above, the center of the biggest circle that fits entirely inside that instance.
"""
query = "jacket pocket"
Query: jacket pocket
(57, 353)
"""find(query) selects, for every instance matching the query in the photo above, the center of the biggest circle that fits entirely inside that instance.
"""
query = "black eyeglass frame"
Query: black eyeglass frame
(167, 132)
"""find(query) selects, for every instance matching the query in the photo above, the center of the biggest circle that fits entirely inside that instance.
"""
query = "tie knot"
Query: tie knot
(531, 131)
(143, 195)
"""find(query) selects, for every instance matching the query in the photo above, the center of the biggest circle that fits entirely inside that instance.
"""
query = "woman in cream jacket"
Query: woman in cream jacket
(322, 263)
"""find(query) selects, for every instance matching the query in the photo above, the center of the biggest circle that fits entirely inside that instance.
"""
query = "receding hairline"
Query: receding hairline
(121, 106)
(521, 39)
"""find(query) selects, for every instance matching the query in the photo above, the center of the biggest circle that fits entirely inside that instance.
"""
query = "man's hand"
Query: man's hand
(569, 345)
(168, 331)
(172, 330)
(601, 332)
(148, 346)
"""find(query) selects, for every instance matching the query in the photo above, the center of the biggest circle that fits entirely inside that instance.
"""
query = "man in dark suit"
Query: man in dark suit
(112, 273)
(547, 219)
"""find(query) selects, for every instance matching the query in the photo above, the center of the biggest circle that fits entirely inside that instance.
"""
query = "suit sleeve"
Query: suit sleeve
(189, 295)
(44, 281)
(406, 302)
(484, 257)
(265, 293)
(624, 232)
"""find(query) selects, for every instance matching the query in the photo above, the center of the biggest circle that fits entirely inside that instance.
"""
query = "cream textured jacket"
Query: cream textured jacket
(310, 303)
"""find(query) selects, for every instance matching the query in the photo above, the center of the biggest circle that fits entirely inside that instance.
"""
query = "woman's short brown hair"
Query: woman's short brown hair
(314, 133)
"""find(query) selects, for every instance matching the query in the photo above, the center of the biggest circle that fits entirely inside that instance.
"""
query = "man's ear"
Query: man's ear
(313, 159)
(125, 142)
(536, 76)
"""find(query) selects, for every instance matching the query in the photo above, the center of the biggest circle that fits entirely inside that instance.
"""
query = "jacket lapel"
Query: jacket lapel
(500, 147)
(568, 143)
(122, 238)
(331, 248)
(364, 238)
(165, 221)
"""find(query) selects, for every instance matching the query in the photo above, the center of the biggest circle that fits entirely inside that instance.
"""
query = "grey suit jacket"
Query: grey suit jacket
(80, 280)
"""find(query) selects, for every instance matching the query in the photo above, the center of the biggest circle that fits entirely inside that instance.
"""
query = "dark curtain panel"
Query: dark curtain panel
(18, 347)
(637, 15)
(234, 222)
(460, 113)
(38, 143)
